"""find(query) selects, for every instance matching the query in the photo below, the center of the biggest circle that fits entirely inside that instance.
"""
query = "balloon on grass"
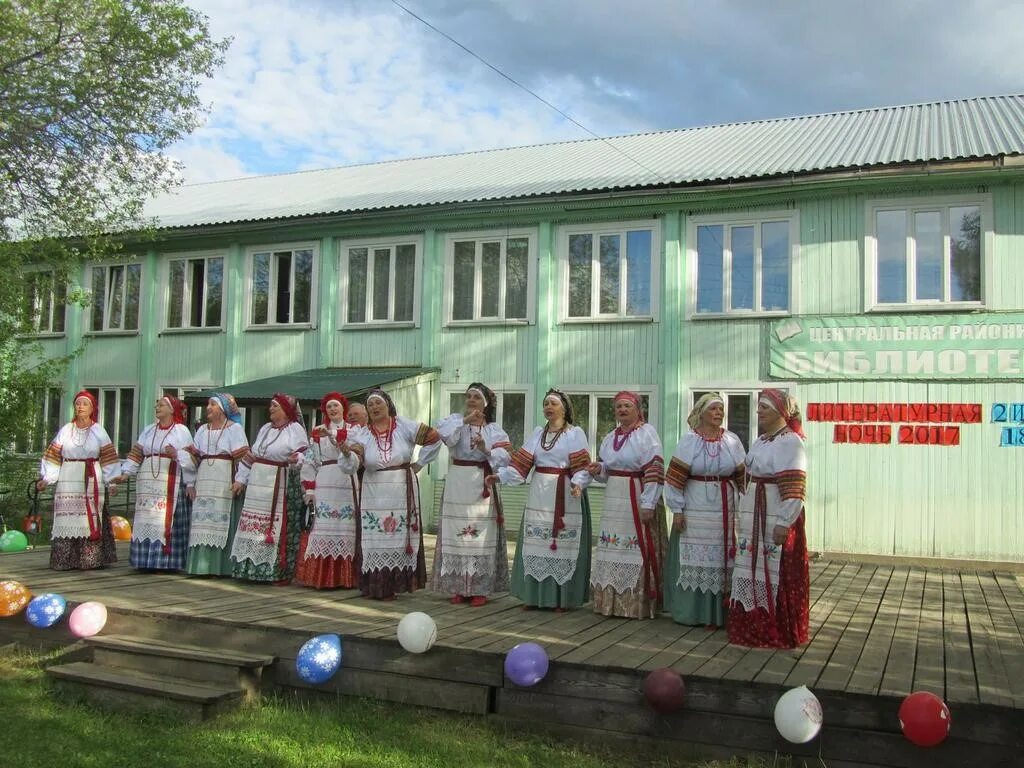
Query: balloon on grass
(526, 664)
(319, 658)
(45, 610)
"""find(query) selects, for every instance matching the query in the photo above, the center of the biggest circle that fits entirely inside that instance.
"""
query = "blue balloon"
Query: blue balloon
(318, 659)
(526, 664)
(46, 610)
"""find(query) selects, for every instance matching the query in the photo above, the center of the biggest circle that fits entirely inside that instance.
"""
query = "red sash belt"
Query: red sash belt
(486, 494)
(92, 506)
(759, 531)
(282, 469)
(644, 535)
(412, 511)
(558, 524)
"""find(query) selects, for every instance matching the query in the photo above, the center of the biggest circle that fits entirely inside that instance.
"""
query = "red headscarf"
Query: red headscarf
(634, 398)
(786, 407)
(339, 398)
(288, 404)
(179, 411)
(92, 399)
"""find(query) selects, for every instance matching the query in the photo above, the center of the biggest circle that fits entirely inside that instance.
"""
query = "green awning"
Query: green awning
(313, 384)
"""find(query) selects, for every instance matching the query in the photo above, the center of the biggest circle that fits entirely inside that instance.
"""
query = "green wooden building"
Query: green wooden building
(871, 262)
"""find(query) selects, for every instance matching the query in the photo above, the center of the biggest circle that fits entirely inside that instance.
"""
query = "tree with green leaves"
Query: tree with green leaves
(92, 93)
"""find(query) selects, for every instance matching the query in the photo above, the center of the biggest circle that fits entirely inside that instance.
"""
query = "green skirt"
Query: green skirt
(204, 560)
(689, 606)
(548, 593)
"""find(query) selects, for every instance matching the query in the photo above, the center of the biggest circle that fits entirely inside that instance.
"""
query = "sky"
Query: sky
(312, 84)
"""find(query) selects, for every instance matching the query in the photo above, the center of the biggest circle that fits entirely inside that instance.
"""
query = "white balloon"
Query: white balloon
(417, 632)
(798, 715)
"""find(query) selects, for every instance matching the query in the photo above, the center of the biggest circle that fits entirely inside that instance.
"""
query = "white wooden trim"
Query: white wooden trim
(479, 237)
(595, 230)
(415, 240)
(250, 252)
(163, 299)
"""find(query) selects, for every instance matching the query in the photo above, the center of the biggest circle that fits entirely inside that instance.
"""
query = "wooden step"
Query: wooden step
(140, 691)
(189, 662)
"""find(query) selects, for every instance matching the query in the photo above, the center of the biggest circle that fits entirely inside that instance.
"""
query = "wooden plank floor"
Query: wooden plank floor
(875, 629)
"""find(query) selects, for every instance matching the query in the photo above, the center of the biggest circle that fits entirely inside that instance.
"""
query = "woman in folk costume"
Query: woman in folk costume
(626, 575)
(552, 562)
(770, 582)
(471, 557)
(328, 552)
(219, 445)
(390, 530)
(701, 485)
(82, 461)
(163, 468)
(267, 537)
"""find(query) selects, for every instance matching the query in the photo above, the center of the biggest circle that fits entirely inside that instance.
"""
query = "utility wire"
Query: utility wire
(539, 98)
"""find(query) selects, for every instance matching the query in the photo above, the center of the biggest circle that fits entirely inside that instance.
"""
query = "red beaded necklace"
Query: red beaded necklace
(384, 446)
(619, 437)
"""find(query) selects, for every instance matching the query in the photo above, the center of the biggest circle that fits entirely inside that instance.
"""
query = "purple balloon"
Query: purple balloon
(526, 664)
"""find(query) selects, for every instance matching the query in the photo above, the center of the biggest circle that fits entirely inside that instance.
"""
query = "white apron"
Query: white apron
(156, 490)
(334, 521)
(254, 524)
(618, 561)
(469, 529)
(540, 561)
(211, 509)
(704, 557)
(390, 539)
(71, 509)
(749, 580)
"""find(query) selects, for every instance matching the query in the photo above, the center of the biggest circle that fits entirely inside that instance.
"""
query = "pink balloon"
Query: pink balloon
(87, 619)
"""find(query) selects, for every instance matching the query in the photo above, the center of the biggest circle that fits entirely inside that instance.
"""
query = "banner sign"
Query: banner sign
(904, 347)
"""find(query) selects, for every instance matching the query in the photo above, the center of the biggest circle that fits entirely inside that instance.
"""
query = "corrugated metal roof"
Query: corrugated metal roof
(948, 130)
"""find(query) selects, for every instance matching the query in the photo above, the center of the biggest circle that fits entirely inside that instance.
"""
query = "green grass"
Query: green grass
(46, 731)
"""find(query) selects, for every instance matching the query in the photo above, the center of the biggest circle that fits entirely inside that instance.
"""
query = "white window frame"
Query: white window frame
(187, 292)
(36, 444)
(126, 263)
(487, 236)
(197, 412)
(728, 221)
(729, 389)
(447, 390)
(610, 228)
(133, 430)
(36, 324)
(250, 267)
(915, 205)
(380, 242)
(598, 391)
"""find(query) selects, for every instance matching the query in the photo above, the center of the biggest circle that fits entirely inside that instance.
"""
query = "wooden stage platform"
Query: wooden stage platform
(878, 632)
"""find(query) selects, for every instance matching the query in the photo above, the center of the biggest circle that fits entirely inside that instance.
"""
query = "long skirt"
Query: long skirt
(637, 602)
(80, 554)
(471, 553)
(282, 569)
(548, 593)
(150, 555)
(207, 560)
(788, 628)
(327, 572)
(695, 607)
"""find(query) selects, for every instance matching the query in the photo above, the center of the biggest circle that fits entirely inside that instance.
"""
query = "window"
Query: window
(282, 286)
(197, 413)
(47, 420)
(489, 277)
(117, 414)
(609, 272)
(196, 292)
(740, 411)
(511, 413)
(115, 297)
(742, 265)
(380, 282)
(255, 416)
(595, 413)
(45, 302)
(927, 253)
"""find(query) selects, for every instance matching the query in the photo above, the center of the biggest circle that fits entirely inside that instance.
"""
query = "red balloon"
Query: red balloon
(925, 719)
(665, 690)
